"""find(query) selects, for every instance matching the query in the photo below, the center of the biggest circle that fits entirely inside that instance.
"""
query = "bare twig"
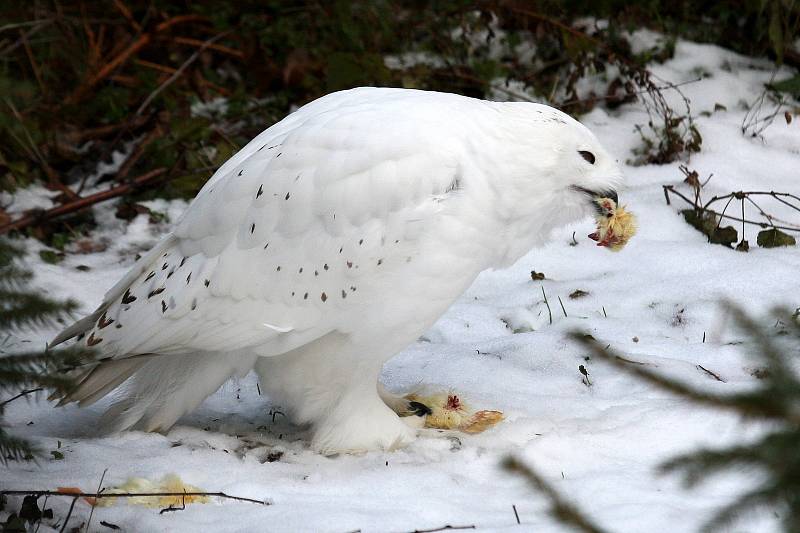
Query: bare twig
(177, 73)
(20, 395)
(669, 189)
(91, 513)
(549, 312)
(98, 495)
(77, 205)
(710, 373)
(143, 40)
(448, 527)
(69, 513)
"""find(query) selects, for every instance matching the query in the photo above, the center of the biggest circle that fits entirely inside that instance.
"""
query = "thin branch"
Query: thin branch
(177, 74)
(448, 527)
(69, 513)
(123, 56)
(671, 189)
(86, 201)
(549, 312)
(20, 395)
(98, 495)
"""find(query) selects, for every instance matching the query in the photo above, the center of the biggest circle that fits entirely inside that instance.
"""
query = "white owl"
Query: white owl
(329, 243)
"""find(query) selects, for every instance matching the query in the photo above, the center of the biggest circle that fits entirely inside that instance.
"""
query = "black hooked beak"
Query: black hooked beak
(595, 196)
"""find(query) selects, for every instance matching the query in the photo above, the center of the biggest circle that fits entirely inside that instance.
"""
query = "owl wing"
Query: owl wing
(286, 236)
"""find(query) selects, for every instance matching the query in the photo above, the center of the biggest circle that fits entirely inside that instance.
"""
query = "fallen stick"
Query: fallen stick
(98, 495)
(86, 201)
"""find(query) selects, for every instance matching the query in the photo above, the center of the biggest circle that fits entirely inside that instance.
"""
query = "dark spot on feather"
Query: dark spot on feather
(344, 294)
(189, 278)
(316, 272)
(325, 266)
(279, 154)
(262, 147)
(80, 337)
(266, 246)
(155, 292)
(279, 268)
(353, 288)
(300, 271)
(150, 276)
(171, 272)
(164, 266)
(91, 341)
(397, 241)
(128, 298)
(305, 296)
(183, 262)
(260, 190)
(349, 264)
(163, 306)
(380, 262)
(454, 185)
(104, 322)
(361, 242)
(194, 304)
(340, 249)
(323, 296)
(118, 326)
(298, 177)
(207, 283)
(240, 172)
(292, 293)
(287, 196)
(252, 228)
(166, 254)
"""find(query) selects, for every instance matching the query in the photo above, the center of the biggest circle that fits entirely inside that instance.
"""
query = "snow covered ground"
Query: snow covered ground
(656, 301)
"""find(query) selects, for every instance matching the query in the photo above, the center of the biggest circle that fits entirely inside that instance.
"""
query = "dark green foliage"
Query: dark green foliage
(775, 400)
(80, 81)
(709, 225)
(773, 238)
(22, 373)
(562, 510)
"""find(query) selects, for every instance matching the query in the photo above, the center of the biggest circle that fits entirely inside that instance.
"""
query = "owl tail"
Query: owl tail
(156, 390)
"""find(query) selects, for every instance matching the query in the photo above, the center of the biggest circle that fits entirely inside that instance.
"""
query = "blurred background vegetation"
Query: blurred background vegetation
(170, 90)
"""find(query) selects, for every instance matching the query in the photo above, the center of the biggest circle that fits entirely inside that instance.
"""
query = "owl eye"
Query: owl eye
(588, 156)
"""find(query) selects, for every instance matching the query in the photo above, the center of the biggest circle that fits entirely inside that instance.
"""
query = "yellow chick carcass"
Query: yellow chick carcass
(448, 411)
(170, 483)
(615, 225)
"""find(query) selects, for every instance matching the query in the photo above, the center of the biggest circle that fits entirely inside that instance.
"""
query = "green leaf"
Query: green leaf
(773, 238)
(50, 257)
(789, 86)
(707, 224)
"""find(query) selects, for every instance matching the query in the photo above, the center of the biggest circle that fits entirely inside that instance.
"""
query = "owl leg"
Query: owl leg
(360, 421)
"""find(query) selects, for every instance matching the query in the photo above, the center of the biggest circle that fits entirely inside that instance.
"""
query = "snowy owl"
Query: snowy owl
(326, 245)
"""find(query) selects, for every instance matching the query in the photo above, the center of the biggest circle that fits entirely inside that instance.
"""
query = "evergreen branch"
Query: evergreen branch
(751, 404)
(12, 277)
(564, 511)
(15, 449)
(729, 514)
(27, 309)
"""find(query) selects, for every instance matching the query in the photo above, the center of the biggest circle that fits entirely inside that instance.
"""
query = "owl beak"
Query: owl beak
(597, 196)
